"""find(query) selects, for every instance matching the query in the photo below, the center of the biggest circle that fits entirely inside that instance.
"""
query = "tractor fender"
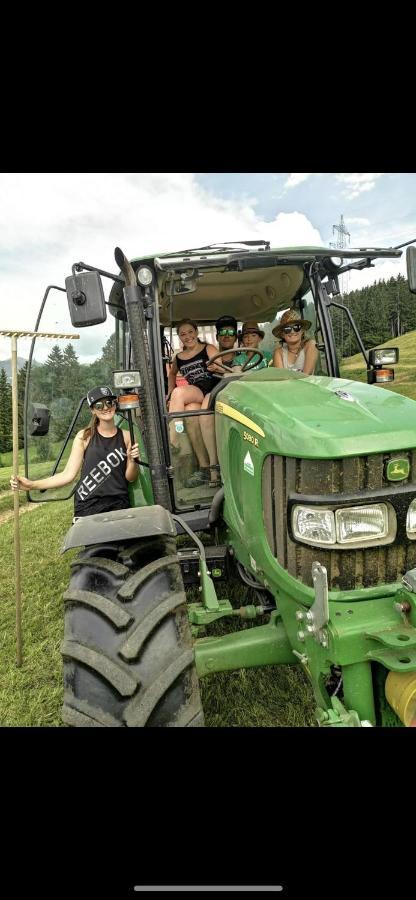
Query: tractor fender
(119, 525)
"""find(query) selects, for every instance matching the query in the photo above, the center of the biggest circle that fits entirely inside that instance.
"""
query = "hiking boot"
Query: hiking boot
(198, 478)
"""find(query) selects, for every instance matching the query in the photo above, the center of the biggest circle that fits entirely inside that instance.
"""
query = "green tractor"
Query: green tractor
(315, 512)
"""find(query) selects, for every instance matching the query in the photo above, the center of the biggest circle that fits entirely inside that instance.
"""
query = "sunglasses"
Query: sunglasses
(287, 329)
(104, 404)
(227, 332)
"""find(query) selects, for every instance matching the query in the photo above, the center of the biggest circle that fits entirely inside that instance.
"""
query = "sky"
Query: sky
(50, 221)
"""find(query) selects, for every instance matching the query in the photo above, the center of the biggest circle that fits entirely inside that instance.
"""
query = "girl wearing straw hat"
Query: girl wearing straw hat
(296, 352)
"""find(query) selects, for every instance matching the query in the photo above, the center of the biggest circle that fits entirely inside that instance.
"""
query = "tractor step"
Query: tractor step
(217, 560)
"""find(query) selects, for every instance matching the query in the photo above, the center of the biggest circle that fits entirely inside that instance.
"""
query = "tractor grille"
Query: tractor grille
(347, 569)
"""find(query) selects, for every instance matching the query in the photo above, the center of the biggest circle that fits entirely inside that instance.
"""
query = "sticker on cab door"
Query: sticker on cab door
(248, 464)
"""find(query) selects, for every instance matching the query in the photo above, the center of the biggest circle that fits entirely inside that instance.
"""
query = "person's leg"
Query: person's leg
(194, 432)
(180, 398)
(208, 434)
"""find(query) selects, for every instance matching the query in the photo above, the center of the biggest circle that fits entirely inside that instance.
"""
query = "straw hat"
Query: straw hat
(290, 317)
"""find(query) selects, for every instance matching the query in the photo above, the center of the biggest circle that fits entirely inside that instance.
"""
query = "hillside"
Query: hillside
(404, 372)
(6, 364)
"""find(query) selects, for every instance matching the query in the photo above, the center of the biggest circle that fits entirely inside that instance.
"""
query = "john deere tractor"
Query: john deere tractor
(314, 512)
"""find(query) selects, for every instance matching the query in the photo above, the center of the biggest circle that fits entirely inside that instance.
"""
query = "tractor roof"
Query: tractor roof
(245, 279)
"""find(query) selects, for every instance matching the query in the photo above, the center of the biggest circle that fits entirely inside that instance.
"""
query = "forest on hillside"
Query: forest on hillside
(59, 383)
(382, 311)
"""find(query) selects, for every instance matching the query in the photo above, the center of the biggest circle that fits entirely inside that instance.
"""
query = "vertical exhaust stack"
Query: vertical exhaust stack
(141, 359)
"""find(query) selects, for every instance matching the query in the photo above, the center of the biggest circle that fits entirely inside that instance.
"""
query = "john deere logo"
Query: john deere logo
(397, 469)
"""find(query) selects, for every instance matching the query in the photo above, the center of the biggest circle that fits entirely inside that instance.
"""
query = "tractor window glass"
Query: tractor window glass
(194, 482)
(61, 373)
(346, 343)
(308, 310)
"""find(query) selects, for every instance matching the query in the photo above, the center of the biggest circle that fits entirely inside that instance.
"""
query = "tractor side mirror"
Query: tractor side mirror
(86, 300)
(38, 417)
(411, 268)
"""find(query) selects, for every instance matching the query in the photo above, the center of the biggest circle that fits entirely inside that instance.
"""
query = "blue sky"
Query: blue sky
(48, 221)
(379, 199)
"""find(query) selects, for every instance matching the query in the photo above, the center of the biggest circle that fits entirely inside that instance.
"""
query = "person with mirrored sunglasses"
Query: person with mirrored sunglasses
(226, 329)
(296, 352)
(105, 455)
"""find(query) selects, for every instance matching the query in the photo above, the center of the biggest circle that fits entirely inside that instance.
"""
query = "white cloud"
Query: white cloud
(356, 220)
(383, 269)
(50, 221)
(296, 178)
(357, 182)
(291, 230)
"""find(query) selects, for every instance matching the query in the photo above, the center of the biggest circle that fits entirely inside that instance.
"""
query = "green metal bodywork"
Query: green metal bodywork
(301, 416)
(307, 418)
(140, 490)
(295, 415)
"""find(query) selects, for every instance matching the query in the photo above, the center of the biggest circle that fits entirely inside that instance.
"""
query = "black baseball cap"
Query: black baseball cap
(226, 322)
(100, 393)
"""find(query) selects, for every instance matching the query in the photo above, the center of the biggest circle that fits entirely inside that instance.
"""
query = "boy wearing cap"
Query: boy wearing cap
(105, 456)
(251, 336)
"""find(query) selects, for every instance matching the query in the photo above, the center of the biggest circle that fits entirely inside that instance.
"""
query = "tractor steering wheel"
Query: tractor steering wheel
(247, 365)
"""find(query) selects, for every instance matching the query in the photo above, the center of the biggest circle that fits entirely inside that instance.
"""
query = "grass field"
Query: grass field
(32, 695)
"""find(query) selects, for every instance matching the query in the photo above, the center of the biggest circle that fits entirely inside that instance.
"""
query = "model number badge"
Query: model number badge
(250, 437)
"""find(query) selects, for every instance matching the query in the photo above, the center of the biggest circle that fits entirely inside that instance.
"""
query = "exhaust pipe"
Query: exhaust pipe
(141, 360)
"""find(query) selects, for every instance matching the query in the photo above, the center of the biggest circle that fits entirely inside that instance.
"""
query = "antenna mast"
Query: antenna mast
(341, 242)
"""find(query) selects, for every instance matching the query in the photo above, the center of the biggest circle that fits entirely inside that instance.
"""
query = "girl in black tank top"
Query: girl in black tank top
(102, 485)
(195, 371)
(105, 456)
(191, 364)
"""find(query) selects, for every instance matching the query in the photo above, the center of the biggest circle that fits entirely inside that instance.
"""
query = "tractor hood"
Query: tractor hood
(320, 417)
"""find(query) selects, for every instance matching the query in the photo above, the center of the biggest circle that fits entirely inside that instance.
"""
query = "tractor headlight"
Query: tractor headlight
(144, 276)
(362, 523)
(359, 525)
(127, 379)
(384, 356)
(313, 525)
(411, 521)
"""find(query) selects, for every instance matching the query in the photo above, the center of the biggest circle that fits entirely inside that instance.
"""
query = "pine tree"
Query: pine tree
(6, 436)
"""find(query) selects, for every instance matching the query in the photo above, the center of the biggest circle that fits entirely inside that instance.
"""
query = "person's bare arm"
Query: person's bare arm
(311, 356)
(277, 361)
(70, 471)
(132, 454)
(212, 351)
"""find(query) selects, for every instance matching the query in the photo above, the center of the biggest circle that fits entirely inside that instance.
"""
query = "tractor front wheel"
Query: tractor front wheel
(127, 649)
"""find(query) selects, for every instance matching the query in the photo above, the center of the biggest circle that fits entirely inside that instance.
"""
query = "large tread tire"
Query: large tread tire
(127, 648)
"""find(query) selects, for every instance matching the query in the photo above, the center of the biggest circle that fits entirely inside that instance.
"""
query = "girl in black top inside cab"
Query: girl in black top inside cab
(104, 454)
(191, 364)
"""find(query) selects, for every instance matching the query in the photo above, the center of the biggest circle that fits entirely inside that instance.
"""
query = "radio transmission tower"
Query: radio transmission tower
(341, 242)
